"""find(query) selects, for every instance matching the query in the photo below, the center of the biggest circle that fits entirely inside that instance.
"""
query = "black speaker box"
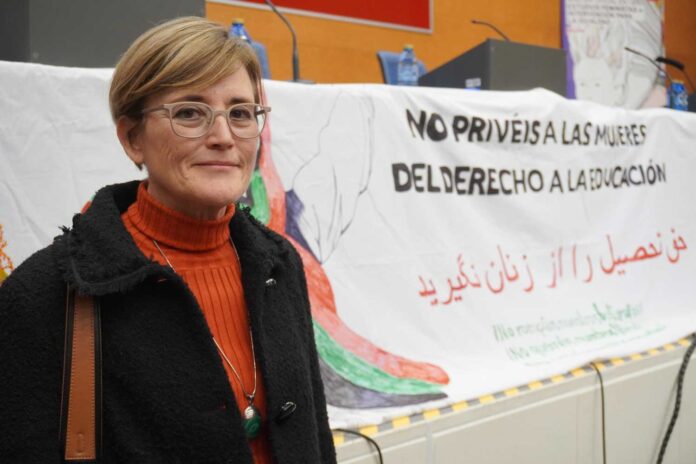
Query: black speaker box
(502, 65)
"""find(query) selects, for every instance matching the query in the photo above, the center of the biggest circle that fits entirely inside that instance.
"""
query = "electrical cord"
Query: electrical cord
(604, 428)
(665, 440)
(677, 401)
(374, 443)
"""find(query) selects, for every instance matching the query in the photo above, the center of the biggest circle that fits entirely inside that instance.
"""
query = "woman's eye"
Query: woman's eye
(241, 113)
(189, 112)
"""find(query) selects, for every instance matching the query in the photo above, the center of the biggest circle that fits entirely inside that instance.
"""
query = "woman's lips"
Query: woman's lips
(217, 164)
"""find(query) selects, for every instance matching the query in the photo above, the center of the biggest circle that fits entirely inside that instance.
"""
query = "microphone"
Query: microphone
(295, 55)
(654, 62)
(677, 64)
(484, 23)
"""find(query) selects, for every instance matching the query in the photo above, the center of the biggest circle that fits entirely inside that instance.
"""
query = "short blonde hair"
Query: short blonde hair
(184, 52)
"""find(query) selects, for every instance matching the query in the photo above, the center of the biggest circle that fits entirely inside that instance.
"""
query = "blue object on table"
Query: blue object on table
(263, 58)
(237, 29)
(678, 98)
(389, 62)
(407, 68)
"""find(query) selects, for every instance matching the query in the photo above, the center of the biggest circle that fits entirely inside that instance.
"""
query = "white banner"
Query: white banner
(456, 243)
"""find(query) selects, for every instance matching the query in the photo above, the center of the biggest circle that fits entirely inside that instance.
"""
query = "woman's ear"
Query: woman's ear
(127, 132)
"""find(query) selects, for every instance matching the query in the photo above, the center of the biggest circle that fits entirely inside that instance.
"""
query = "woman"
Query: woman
(206, 338)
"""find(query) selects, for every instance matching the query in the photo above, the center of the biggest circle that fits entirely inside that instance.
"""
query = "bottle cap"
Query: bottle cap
(408, 47)
(238, 21)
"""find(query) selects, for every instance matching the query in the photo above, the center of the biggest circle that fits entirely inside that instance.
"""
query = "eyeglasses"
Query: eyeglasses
(194, 119)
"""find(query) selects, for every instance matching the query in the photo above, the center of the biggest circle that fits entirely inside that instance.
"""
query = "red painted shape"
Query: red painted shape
(321, 300)
(410, 13)
(275, 193)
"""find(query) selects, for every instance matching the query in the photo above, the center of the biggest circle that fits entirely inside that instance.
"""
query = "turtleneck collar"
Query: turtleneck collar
(174, 229)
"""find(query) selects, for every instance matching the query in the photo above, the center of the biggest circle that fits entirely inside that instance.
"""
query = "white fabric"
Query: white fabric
(561, 276)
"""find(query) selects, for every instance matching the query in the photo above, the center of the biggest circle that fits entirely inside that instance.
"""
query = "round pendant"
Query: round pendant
(252, 421)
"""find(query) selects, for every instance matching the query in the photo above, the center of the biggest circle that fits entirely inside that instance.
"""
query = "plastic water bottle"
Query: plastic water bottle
(407, 71)
(678, 98)
(238, 29)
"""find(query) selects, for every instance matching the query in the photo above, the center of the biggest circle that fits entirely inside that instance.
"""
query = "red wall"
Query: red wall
(409, 13)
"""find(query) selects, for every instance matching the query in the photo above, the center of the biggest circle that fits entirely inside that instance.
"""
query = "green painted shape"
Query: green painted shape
(260, 209)
(364, 374)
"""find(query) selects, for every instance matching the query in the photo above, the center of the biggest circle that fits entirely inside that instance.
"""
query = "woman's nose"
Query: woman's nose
(220, 128)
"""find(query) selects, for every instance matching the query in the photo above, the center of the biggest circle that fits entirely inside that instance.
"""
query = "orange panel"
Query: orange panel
(338, 51)
(680, 35)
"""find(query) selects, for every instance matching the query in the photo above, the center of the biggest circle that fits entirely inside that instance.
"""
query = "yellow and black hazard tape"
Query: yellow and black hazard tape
(399, 422)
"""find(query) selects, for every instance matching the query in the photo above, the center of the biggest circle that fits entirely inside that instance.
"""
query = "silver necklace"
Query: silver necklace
(252, 415)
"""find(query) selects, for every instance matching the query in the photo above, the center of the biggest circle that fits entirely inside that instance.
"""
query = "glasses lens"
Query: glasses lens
(190, 120)
(246, 120)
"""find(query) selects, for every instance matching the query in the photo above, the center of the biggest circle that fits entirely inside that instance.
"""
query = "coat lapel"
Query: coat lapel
(260, 256)
(98, 256)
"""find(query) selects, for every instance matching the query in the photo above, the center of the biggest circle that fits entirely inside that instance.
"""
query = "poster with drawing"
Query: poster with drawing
(600, 69)
(455, 243)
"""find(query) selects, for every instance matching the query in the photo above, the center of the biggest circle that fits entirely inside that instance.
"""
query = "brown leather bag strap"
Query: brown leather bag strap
(81, 398)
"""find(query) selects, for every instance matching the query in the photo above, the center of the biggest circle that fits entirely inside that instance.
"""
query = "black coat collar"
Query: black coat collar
(98, 256)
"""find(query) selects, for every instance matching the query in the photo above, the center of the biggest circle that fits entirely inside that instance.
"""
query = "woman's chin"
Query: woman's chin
(218, 199)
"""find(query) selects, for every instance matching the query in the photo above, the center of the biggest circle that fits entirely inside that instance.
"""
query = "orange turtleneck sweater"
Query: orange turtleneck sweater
(201, 253)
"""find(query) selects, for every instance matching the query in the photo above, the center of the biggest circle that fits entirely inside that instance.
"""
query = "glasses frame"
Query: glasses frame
(168, 107)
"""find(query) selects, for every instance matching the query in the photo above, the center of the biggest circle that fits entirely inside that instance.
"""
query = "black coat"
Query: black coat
(166, 395)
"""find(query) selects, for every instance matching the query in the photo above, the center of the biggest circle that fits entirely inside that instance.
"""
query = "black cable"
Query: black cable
(374, 443)
(677, 401)
(604, 428)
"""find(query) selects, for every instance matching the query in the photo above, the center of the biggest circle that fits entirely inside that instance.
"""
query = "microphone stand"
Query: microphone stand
(659, 69)
(295, 54)
(484, 23)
